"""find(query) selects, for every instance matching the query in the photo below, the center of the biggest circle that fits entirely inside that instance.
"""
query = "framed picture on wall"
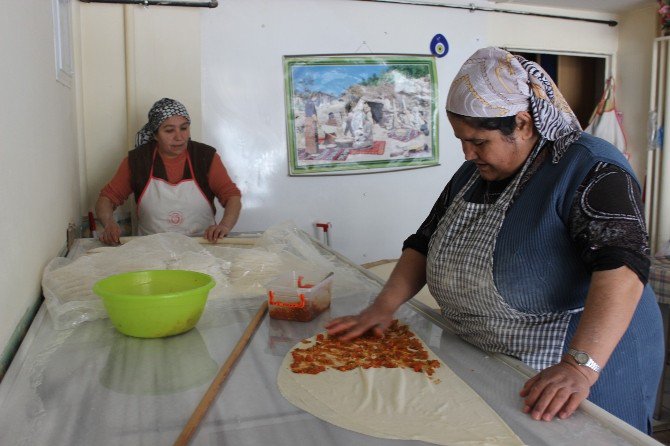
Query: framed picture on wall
(360, 113)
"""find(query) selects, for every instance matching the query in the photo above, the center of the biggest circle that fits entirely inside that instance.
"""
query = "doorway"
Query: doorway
(581, 79)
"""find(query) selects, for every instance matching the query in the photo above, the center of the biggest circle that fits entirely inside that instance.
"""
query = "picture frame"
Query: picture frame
(360, 113)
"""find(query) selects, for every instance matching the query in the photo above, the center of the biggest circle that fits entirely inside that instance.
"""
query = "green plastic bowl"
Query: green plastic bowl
(154, 304)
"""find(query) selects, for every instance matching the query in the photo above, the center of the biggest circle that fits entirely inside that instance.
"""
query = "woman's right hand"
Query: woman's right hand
(407, 278)
(374, 318)
(111, 234)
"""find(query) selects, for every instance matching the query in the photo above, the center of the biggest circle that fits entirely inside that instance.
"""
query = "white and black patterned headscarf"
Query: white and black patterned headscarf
(159, 112)
(495, 83)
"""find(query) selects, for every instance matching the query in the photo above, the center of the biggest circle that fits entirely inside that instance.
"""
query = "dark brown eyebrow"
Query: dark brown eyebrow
(166, 126)
(470, 139)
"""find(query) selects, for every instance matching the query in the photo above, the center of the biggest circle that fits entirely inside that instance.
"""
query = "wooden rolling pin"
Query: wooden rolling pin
(245, 241)
(214, 388)
(204, 241)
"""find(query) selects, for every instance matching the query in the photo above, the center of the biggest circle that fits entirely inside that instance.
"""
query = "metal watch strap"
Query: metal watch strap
(590, 363)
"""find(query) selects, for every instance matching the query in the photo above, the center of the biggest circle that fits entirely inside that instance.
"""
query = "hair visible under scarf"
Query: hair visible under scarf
(495, 83)
(159, 112)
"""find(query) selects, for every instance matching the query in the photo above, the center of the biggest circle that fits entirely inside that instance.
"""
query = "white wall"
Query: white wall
(131, 57)
(38, 157)
(103, 94)
(243, 105)
(230, 77)
(638, 28)
(551, 34)
(243, 112)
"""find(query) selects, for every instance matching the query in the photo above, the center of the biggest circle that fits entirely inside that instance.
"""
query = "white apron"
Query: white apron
(181, 207)
(460, 277)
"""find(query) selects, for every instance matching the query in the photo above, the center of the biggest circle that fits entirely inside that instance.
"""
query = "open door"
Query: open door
(581, 79)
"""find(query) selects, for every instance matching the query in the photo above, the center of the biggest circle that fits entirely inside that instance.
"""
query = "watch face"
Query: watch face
(581, 357)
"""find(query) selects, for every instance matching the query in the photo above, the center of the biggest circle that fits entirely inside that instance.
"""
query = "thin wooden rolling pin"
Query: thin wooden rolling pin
(209, 397)
(204, 241)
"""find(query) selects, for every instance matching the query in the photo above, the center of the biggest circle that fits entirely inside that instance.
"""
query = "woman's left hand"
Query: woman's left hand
(215, 232)
(557, 391)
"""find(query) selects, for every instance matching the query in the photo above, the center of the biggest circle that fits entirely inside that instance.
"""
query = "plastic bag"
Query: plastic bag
(606, 121)
(240, 273)
(298, 252)
(67, 284)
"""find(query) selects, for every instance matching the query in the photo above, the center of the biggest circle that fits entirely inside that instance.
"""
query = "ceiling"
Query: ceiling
(607, 6)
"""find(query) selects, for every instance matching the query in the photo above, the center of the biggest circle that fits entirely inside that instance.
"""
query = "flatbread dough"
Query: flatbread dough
(397, 403)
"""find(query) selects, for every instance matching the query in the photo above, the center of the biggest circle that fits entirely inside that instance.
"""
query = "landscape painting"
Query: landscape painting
(359, 114)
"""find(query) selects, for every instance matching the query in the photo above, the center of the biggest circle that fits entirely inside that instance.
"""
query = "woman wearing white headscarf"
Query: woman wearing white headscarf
(536, 248)
(174, 180)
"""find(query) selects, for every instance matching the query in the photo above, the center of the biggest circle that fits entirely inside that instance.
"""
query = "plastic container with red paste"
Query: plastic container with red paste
(299, 296)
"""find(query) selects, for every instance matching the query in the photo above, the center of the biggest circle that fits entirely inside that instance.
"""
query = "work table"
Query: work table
(91, 385)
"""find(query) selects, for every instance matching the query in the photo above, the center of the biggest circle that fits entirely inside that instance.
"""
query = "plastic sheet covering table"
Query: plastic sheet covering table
(91, 385)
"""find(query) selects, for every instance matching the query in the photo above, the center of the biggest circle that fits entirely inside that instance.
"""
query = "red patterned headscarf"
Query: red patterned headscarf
(495, 83)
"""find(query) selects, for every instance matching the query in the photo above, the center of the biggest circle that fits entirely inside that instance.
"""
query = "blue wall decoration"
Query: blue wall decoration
(439, 47)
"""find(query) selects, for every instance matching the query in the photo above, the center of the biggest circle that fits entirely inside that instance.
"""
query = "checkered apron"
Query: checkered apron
(460, 277)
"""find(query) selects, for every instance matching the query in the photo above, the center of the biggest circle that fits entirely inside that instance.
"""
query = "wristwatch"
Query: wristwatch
(583, 358)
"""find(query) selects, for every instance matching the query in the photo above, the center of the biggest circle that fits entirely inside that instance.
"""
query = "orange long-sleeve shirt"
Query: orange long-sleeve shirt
(119, 188)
